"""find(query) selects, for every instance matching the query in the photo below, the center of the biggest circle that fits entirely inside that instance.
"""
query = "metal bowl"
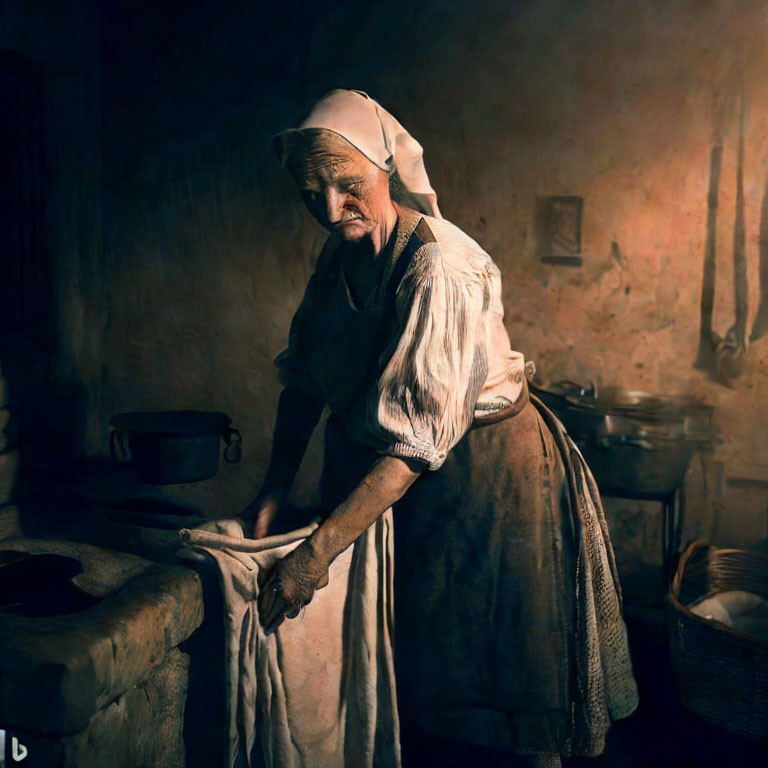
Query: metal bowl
(636, 444)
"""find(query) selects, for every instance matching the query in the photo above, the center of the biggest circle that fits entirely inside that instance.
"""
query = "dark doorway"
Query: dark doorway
(23, 283)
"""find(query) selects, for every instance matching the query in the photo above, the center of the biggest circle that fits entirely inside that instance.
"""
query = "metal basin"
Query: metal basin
(642, 469)
(635, 443)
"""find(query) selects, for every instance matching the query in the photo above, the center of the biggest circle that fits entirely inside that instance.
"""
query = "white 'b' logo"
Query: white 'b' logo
(18, 750)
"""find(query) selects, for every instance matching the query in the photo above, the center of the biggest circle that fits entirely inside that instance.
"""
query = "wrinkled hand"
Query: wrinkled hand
(290, 585)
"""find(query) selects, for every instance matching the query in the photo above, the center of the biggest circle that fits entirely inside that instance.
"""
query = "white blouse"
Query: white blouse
(427, 353)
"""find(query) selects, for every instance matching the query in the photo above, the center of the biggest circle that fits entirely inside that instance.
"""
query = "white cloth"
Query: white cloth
(320, 691)
(365, 124)
(737, 609)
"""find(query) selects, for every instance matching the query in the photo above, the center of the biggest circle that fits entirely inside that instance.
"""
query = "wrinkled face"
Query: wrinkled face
(344, 190)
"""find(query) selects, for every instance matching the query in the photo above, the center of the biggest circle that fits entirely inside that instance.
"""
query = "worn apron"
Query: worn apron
(483, 597)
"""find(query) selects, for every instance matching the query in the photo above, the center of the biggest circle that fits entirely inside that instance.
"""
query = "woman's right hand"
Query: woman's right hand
(263, 510)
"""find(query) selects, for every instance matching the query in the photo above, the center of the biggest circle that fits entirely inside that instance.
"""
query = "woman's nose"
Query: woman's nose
(334, 205)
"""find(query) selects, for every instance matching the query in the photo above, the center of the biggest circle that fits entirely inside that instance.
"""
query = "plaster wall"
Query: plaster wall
(207, 248)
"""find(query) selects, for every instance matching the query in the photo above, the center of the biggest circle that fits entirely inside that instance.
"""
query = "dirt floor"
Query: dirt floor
(660, 733)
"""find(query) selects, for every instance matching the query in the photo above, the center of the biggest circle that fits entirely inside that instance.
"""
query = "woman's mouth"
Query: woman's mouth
(347, 220)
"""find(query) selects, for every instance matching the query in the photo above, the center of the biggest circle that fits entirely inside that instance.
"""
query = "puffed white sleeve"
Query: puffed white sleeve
(436, 364)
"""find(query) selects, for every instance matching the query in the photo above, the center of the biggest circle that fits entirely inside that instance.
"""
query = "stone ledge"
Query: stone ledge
(142, 727)
(55, 673)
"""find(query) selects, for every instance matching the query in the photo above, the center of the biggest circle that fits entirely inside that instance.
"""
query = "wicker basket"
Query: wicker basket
(721, 673)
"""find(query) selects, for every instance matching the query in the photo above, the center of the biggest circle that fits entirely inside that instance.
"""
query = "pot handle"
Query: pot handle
(610, 441)
(117, 447)
(579, 390)
(234, 451)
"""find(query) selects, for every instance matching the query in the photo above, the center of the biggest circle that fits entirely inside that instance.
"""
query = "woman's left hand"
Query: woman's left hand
(290, 585)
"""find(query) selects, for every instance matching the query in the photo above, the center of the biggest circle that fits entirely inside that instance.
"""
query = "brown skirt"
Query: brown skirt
(486, 563)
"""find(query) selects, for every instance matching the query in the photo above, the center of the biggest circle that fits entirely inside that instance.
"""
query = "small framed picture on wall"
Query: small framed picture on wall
(560, 229)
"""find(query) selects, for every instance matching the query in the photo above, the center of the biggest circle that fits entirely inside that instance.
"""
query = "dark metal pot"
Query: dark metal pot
(625, 465)
(170, 447)
(636, 444)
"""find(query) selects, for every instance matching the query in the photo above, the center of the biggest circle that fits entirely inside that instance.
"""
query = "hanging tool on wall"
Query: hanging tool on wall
(706, 356)
(724, 357)
(760, 325)
(730, 351)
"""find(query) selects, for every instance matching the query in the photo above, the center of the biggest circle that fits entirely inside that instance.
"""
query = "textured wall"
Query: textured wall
(58, 394)
(207, 248)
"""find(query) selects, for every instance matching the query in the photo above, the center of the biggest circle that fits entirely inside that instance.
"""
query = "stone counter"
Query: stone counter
(106, 685)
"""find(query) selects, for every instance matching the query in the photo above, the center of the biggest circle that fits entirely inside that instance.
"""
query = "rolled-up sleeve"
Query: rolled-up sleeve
(436, 365)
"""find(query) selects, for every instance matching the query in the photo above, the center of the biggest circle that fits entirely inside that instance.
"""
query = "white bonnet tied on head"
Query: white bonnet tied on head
(365, 124)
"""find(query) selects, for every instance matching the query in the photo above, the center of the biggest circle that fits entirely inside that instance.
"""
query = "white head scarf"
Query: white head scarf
(365, 124)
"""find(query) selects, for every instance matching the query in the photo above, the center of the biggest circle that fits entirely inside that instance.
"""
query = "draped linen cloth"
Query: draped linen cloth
(320, 691)
(605, 685)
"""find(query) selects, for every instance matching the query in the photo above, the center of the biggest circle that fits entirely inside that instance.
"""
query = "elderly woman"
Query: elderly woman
(507, 604)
